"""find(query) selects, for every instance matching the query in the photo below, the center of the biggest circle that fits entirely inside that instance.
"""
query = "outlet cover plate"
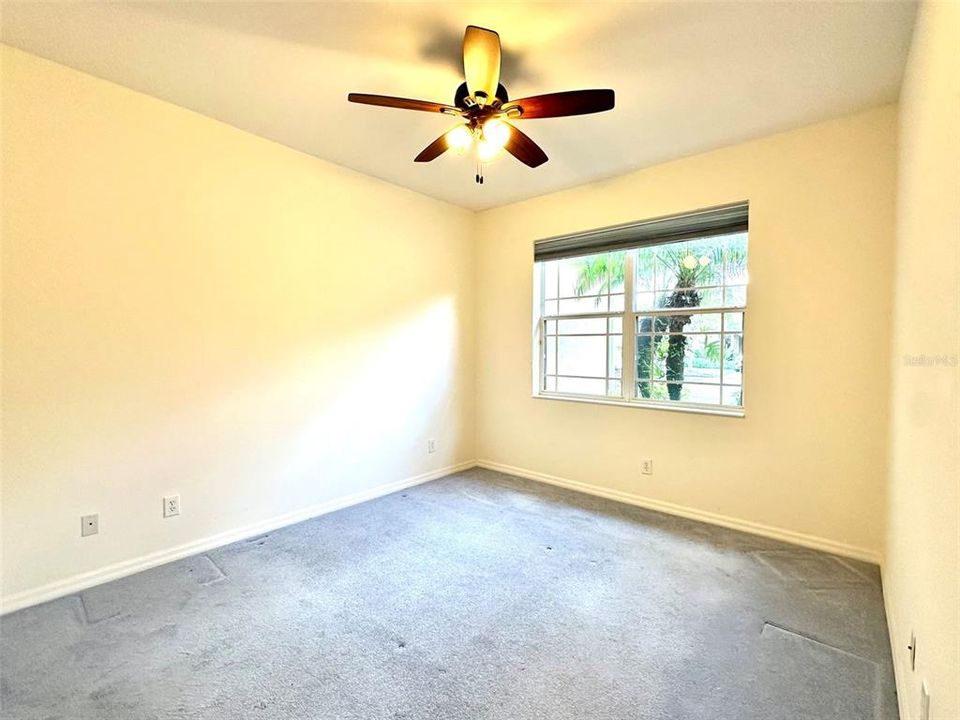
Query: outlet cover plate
(171, 506)
(89, 525)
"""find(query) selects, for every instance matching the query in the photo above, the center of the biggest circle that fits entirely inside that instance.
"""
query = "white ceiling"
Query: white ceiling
(689, 77)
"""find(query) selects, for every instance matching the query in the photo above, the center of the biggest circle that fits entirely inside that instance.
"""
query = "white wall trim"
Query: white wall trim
(82, 581)
(899, 671)
(789, 536)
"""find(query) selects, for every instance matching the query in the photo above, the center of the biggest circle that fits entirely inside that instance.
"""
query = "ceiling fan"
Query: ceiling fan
(483, 107)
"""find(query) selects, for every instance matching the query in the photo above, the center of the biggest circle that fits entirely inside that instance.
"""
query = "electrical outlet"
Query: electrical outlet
(912, 647)
(171, 506)
(646, 466)
(431, 446)
(89, 525)
(924, 701)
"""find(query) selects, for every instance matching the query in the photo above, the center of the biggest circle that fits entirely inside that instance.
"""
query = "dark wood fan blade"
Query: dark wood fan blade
(402, 103)
(434, 150)
(524, 149)
(562, 104)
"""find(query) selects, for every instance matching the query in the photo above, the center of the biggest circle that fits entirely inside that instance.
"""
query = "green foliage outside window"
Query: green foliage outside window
(680, 274)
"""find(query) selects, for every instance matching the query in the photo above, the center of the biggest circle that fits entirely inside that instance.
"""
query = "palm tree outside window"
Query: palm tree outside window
(656, 325)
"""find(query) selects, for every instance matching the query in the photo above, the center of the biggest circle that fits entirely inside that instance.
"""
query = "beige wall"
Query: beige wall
(191, 309)
(810, 455)
(181, 315)
(922, 564)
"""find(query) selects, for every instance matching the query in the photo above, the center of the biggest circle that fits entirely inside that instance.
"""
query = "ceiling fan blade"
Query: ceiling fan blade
(562, 104)
(434, 150)
(524, 149)
(481, 61)
(402, 103)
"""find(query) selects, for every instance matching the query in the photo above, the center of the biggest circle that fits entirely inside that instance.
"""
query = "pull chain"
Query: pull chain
(479, 175)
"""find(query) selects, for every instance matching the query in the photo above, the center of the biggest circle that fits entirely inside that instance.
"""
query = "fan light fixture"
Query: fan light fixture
(484, 106)
(488, 140)
(460, 139)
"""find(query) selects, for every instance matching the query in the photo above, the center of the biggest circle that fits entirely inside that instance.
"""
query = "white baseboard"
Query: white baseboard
(899, 672)
(788, 536)
(82, 581)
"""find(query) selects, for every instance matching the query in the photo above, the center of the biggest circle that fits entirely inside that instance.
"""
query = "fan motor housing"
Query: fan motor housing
(463, 92)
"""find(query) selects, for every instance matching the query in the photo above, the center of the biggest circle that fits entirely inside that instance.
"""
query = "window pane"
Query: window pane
(580, 326)
(600, 274)
(617, 263)
(700, 267)
(732, 359)
(645, 357)
(581, 386)
(569, 274)
(692, 323)
(550, 359)
(711, 297)
(704, 322)
(735, 259)
(733, 321)
(685, 392)
(615, 357)
(582, 305)
(668, 363)
(701, 297)
(647, 390)
(662, 299)
(733, 351)
(645, 301)
(733, 396)
(645, 262)
(585, 356)
(702, 359)
(664, 276)
(550, 279)
(582, 354)
(704, 394)
(681, 355)
(735, 296)
(550, 307)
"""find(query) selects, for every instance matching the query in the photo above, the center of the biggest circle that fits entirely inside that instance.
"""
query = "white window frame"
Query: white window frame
(628, 378)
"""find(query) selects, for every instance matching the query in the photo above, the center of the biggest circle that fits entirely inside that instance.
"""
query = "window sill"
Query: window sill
(695, 409)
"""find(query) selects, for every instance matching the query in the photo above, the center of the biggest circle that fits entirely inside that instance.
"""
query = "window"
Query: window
(656, 318)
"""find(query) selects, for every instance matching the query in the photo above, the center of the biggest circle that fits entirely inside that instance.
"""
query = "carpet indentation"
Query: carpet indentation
(772, 627)
(164, 586)
(812, 569)
(824, 680)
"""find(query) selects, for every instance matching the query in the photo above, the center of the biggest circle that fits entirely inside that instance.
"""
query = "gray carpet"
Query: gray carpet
(475, 596)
